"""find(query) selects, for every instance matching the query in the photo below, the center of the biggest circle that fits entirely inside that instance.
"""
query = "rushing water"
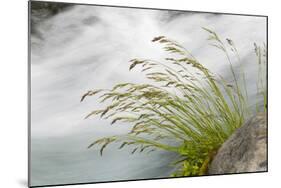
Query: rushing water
(89, 47)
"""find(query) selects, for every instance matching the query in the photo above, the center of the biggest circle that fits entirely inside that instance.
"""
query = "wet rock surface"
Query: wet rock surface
(40, 11)
(245, 150)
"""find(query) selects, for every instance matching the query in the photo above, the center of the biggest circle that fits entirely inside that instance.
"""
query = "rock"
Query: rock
(245, 150)
(52, 7)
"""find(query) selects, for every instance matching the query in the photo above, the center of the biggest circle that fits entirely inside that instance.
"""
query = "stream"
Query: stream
(89, 47)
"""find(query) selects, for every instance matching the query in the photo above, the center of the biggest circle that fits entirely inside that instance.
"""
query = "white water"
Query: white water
(89, 47)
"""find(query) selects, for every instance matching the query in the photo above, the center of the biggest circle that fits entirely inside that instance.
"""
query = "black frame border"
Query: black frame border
(126, 7)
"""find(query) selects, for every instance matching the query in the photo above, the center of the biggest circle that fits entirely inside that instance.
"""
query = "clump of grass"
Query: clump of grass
(186, 109)
(261, 54)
